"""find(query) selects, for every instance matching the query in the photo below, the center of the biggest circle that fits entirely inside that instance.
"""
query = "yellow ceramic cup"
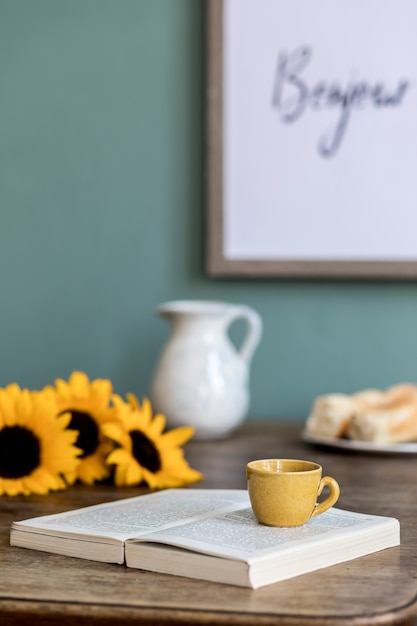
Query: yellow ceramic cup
(283, 492)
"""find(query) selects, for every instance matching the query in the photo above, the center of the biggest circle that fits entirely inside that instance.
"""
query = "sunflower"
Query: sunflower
(89, 406)
(36, 449)
(146, 453)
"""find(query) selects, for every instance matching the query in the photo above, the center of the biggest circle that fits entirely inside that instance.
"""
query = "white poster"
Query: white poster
(319, 130)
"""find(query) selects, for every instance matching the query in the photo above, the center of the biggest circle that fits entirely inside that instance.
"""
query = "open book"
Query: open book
(207, 534)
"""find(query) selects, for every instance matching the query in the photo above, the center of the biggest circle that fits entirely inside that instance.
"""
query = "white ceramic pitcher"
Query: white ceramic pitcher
(201, 379)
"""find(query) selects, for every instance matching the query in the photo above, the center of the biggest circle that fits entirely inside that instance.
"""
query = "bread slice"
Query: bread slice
(330, 415)
(392, 419)
(403, 392)
(368, 398)
(394, 423)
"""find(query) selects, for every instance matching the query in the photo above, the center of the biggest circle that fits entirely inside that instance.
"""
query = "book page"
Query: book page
(138, 516)
(238, 534)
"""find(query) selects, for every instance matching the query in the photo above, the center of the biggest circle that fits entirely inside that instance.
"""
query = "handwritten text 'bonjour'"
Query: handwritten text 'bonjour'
(292, 96)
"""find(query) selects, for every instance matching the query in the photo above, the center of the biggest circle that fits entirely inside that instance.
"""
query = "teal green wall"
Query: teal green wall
(101, 216)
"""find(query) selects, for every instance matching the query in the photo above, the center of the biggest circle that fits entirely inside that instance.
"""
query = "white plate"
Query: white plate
(361, 446)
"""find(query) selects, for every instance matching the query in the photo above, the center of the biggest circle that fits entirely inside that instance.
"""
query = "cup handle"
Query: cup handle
(331, 499)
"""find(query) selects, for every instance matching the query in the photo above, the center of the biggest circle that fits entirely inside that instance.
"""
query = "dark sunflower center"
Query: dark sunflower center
(145, 451)
(20, 452)
(87, 438)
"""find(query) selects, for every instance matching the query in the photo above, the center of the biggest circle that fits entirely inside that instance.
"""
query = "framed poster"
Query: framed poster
(312, 138)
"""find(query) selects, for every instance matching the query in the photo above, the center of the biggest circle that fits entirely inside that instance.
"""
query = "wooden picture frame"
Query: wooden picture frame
(393, 258)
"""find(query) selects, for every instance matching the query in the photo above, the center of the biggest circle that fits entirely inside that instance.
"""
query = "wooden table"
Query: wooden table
(40, 589)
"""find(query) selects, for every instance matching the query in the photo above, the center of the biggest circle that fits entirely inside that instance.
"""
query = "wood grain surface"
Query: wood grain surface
(40, 589)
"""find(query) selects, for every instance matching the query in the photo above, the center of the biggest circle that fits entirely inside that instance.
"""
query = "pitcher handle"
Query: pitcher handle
(254, 331)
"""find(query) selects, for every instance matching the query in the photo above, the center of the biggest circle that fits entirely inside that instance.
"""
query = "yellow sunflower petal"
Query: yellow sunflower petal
(91, 469)
(101, 389)
(153, 480)
(146, 411)
(14, 390)
(24, 405)
(71, 477)
(120, 475)
(64, 418)
(118, 401)
(79, 383)
(132, 399)
(133, 474)
(61, 388)
(178, 436)
(118, 456)
(7, 411)
(114, 431)
(158, 424)
(182, 472)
